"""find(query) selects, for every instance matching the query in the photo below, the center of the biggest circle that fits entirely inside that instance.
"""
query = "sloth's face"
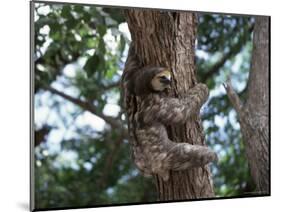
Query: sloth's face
(161, 81)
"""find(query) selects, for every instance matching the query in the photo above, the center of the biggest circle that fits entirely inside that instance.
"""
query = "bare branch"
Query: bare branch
(91, 108)
(233, 51)
(220, 108)
(233, 97)
(216, 67)
(110, 86)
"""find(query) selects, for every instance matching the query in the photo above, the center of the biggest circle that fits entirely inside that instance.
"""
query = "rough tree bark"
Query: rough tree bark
(254, 114)
(167, 39)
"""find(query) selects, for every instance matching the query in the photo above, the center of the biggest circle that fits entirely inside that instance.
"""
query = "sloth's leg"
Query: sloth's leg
(181, 156)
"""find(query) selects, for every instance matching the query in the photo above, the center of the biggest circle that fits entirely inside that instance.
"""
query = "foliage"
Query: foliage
(83, 157)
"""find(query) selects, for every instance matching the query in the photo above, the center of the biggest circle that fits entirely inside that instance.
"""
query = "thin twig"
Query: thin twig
(233, 97)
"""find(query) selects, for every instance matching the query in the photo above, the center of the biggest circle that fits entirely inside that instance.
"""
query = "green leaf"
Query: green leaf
(101, 30)
(71, 23)
(91, 43)
(115, 14)
(91, 65)
(79, 9)
(101, 46)
(65, 12)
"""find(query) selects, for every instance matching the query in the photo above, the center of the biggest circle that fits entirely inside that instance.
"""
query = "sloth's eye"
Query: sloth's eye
(163, 77)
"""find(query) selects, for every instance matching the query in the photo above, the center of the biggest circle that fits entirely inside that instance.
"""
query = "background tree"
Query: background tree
(83, 155)
(254, 114)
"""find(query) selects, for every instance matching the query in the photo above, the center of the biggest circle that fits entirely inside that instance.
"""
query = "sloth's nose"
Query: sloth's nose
(165, 80)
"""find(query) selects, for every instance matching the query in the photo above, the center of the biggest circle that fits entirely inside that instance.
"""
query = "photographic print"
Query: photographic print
(139, 105)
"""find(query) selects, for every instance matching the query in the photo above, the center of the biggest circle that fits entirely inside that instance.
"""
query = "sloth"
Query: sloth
(149, 111)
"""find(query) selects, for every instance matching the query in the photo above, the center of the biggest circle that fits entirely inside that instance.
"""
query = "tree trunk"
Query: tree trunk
(167, 39)
(254, 114)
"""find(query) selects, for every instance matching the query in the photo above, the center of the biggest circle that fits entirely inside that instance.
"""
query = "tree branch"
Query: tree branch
(110, 86)
(233, 97)
(220, 108)
(216, 67)
(233, 51)
(89, 107)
